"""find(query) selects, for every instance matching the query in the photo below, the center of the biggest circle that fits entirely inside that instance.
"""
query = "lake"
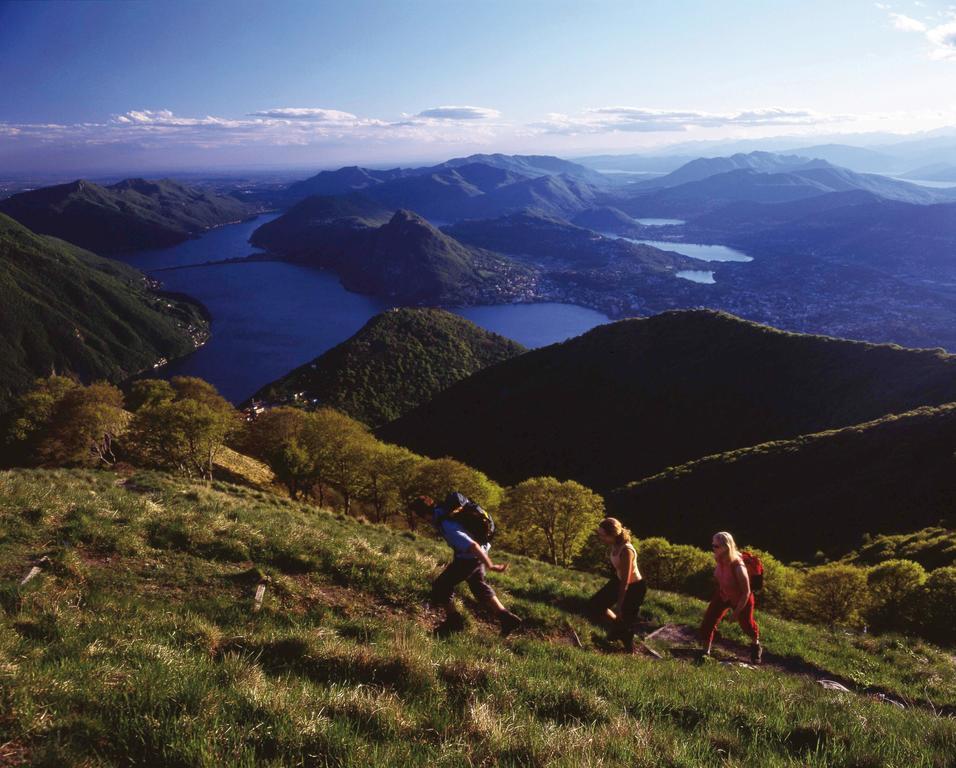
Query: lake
(270, 317)
(660, 222)
(697, 250)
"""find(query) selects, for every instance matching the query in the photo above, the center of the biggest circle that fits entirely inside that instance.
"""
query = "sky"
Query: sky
(239, 84)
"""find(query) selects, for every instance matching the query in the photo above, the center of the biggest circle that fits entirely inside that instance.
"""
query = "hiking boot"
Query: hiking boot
(509, 623)
(756, 653)
(703, 657)
(628, 640)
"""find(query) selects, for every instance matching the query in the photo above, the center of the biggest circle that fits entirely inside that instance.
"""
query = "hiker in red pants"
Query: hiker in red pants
(733, 593)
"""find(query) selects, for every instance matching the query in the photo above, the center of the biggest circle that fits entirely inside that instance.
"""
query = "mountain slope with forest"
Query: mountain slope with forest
(66, 309)
(629, 399)
(887, 476)
(131, 215)
(397, 361)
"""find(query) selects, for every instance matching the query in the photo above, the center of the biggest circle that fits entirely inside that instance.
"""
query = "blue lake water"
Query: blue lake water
(697, 250)
(660, 222)
(697, 276)
(270, 317)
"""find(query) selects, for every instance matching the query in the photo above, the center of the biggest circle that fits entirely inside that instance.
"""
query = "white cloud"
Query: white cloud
(907, 23)
(307, 113)
(940, 37)
(459, 113)
(644, 120)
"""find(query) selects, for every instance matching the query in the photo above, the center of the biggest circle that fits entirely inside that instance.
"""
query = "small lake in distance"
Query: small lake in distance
(269, 317)
(697, 250)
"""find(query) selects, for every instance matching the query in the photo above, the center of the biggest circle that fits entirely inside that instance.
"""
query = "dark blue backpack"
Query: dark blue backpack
(470, 515)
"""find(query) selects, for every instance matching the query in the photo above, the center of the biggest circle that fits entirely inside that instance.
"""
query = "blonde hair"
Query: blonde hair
(728, 541)
(612, 527)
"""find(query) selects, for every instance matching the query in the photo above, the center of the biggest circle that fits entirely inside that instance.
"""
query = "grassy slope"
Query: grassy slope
(888, 476)
(397, 361)
(137, 645)
(63, 307)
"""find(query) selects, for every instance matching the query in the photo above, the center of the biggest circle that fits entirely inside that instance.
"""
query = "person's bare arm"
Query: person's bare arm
(743, 581)
(480, 553)
(624, 569)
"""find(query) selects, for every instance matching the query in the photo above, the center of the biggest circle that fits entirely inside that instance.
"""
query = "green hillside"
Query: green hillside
(815, 492)
(397, 361)
(630, 399)
(66, 309)
(138, 644)
(130, 215)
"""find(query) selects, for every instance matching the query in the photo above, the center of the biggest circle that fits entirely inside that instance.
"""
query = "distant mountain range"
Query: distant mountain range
(67, 310)
(399, 360)
(131, 215)
(630, 399)
(405, 260)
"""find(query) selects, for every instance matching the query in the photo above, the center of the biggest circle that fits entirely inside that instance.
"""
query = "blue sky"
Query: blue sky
(188, 84)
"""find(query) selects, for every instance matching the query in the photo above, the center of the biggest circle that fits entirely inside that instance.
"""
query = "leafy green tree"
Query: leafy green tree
(187, 433)
(34, 411)
(938, 605)
(390, 471)
(894, 588)
(552, 518)
(62, 422)
(833, 594)
(149, 392)
(280, 437)
(343, 447)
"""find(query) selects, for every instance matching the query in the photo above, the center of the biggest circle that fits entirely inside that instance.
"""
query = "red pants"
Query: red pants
(718, 609)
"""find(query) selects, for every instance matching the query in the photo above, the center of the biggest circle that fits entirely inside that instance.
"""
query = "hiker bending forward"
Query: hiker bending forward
(469, 564)
(619, 601)
(732, 593)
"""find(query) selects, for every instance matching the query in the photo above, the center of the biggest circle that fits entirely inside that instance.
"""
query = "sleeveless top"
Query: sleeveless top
(616, 561)
(727, 584)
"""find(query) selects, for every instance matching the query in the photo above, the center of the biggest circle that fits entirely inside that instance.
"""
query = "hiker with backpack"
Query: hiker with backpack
(468, 530)
(619, 601)
(737, 575)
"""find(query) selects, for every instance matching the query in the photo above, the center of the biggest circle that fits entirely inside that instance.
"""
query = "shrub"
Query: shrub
(675, 567)
(894, 588)
(833, 594)
(938, 605)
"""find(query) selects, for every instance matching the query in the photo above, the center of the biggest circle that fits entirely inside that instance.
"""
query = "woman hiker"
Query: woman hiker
(731, 594)
(619, 601)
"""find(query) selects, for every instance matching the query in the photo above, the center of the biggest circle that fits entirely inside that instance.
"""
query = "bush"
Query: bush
(938, 605)
(894, 588)
(833, 594)
(675, 567)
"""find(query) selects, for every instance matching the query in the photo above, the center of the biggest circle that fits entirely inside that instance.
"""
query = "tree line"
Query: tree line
(184, 425)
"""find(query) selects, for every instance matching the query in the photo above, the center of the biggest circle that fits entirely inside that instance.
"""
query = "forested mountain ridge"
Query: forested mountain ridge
(397, 361)
(66, 309)
(131, 215)
(631, 398)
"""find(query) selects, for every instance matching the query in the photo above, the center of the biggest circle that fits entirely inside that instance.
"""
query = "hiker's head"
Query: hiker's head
(724, 546)
(423, 506)
(610, 531)
(455, 500)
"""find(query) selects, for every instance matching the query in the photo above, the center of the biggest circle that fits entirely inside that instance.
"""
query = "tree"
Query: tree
(60, 421)
(894, 587)
(279, 438)
(390, 470)
(186, 433)
(342, 449)
(551, 517)
(149, 392)
(833, 594)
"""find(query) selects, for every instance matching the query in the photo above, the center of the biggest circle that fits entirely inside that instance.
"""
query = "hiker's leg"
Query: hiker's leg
(443, 588)
(630, 611)
(712, 616)
(747, 622)
(485, 594)
(599, 606)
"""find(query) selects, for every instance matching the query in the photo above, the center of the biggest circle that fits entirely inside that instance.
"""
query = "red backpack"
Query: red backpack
(754, 570)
